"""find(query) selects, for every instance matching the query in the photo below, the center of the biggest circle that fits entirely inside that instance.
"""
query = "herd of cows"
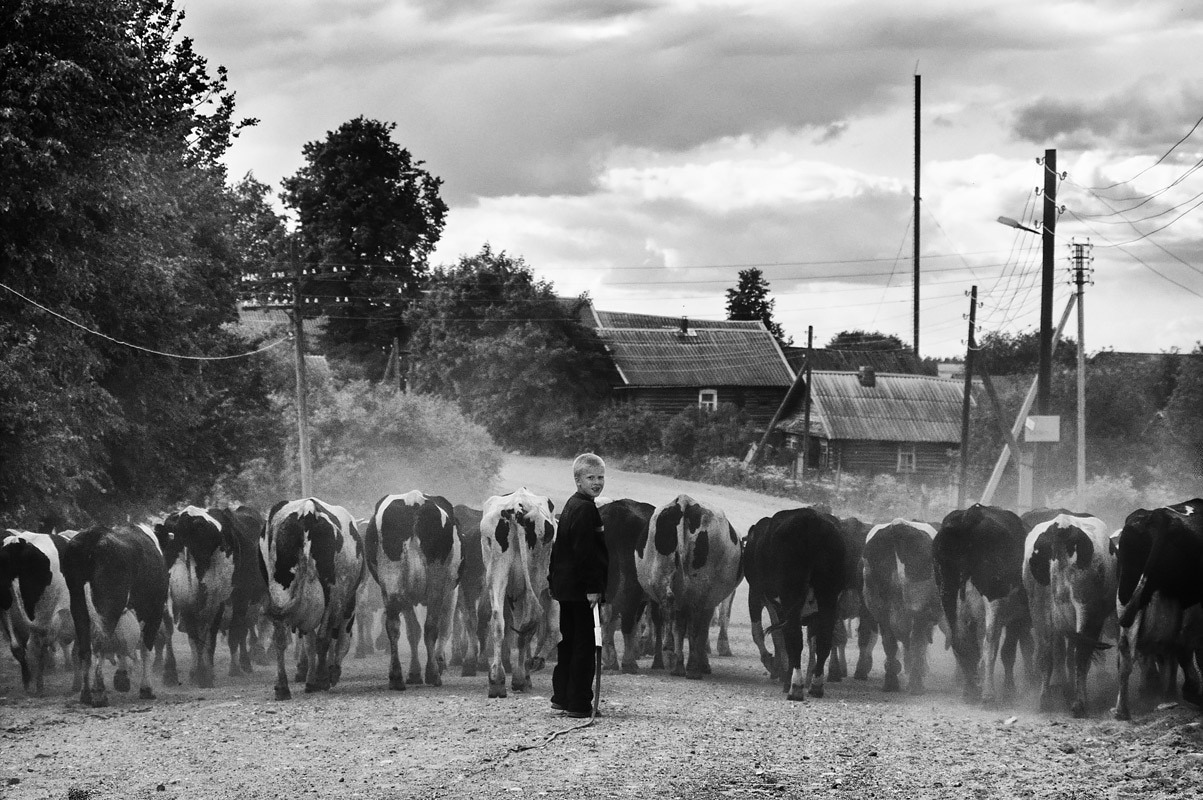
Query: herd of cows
(1057, 586)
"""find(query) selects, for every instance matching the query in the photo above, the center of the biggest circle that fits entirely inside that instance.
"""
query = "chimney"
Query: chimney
(684, 326)
(867, 376)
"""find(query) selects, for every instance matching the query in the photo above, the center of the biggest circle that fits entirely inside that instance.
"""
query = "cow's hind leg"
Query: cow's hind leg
(280, 643)
(795, 677)
(889, 643)
(822, 649)
(866, 640)
(413, 635)
(392, 627)
(319, 670)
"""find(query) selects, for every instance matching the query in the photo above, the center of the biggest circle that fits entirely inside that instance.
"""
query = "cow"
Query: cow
(625, 523)
(312, 559)
(1159, 588)
(516, 534)
(794, 561)
(214, 580)
(35, 607)
(1069, 579)
(722, 618)
(414, 552)
(470, 631)
(852, 607)
(688, 562)
(978, 553)
(901, 595)
(117, 581)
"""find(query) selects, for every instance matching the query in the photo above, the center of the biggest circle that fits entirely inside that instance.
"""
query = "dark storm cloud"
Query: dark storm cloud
(1144, 117)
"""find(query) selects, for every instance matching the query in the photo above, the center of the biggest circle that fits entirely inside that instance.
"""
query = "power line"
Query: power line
(1164, 156)
(138, 346)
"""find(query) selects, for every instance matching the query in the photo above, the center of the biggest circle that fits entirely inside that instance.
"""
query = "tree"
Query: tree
(865, 340)
(113, 215)
(749, 300)
(369, 216)
(515, 356)
(1019, 353)
(1183, 430)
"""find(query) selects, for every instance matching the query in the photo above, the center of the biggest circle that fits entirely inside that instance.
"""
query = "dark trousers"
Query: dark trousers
(572, 678)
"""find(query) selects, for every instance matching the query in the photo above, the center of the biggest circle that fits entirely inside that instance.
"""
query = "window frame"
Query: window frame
(708, 405)
(907, 453)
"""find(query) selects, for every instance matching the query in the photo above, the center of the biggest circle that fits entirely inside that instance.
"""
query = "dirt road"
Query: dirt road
(732, 734)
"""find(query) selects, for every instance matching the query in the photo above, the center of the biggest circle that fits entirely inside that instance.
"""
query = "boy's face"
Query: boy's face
(591, 481)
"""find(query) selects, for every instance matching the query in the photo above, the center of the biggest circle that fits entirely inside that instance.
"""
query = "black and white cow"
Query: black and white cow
(415, 553)
(1159, 592)
(35, 607)
(901, 594)
(625, 522)
(516, 534)
(117, 583)
(794, 562)
(312, 558)
(689, 562)
(1069, 578)
(214, 580)
(978, 553)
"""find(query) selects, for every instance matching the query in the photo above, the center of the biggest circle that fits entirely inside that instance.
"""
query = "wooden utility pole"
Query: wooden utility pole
(1081, 258)
(298, 326)
(915, 214)
(810, 344)
(967, 398)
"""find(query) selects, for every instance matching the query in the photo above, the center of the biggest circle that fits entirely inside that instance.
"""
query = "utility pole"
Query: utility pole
(298, 324)
(965, 400)
(1081, 257)
(1048, 245)
(915, 214)
(810, 342)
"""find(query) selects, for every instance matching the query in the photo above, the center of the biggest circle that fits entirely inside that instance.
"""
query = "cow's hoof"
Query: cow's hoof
(835, 678)
(433, 678)
(816, 690)
(629, 669)
(1078, 709)
(414, 676)
(336, 674)
(245, 664)
(496, 691)
(146, 693)
(121, 680)
(797, 694)
(537, 663)
(891, 684)
(396, 683)
(1123, 715)
(694, 674)
(724, 650)
(521, 687)
(283, 693)
(860, 676)
(171, 677)
(678, 671)
(300, 675)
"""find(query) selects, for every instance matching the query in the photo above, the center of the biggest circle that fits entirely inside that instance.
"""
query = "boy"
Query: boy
(579, 567)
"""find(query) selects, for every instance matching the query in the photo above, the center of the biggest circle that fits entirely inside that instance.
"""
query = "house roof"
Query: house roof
(653, 351)
(898, 408)
(898, 361)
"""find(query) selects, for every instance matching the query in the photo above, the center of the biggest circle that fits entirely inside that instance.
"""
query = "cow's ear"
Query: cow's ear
(551, 506)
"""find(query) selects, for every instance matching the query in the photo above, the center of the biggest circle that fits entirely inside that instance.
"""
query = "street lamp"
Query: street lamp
(1012, 223)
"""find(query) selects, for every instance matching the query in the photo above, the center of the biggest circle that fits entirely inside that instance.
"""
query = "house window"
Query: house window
(906, 458)
(708, 399)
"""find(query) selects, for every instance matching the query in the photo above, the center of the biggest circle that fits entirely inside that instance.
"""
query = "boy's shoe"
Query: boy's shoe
(583, 714)
(557, 707)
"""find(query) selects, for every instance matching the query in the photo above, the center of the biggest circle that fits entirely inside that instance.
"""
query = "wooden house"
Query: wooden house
(669, 363)
(870, 422)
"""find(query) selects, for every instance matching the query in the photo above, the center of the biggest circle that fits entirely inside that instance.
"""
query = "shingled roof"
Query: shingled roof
(656, 351)
(897, 408)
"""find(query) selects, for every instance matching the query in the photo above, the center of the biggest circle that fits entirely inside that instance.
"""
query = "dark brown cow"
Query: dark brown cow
(625, 523)
(118, 586)
(978, 554)
(794, 562)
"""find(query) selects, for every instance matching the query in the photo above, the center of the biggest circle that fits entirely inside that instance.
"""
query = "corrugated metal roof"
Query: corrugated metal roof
(898, 408)
(623, 319)
(898, 361)
(706, 357)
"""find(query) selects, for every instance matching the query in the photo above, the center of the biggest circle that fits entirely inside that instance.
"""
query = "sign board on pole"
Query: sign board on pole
(1042, 428)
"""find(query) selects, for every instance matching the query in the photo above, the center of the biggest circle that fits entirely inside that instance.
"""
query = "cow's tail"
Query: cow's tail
(1140, 596)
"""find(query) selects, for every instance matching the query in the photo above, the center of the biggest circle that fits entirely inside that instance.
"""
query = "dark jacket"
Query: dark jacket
(579, 560)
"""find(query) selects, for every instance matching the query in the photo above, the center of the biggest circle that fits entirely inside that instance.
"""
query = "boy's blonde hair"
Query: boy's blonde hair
(584, 461)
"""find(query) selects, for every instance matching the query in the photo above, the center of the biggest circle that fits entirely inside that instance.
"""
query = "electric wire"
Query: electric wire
(105, 336)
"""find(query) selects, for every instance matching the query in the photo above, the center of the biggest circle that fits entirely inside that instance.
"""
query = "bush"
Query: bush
(370, 441)
(696, 435)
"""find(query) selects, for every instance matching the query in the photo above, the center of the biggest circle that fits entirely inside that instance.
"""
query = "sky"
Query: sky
(647, 151)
